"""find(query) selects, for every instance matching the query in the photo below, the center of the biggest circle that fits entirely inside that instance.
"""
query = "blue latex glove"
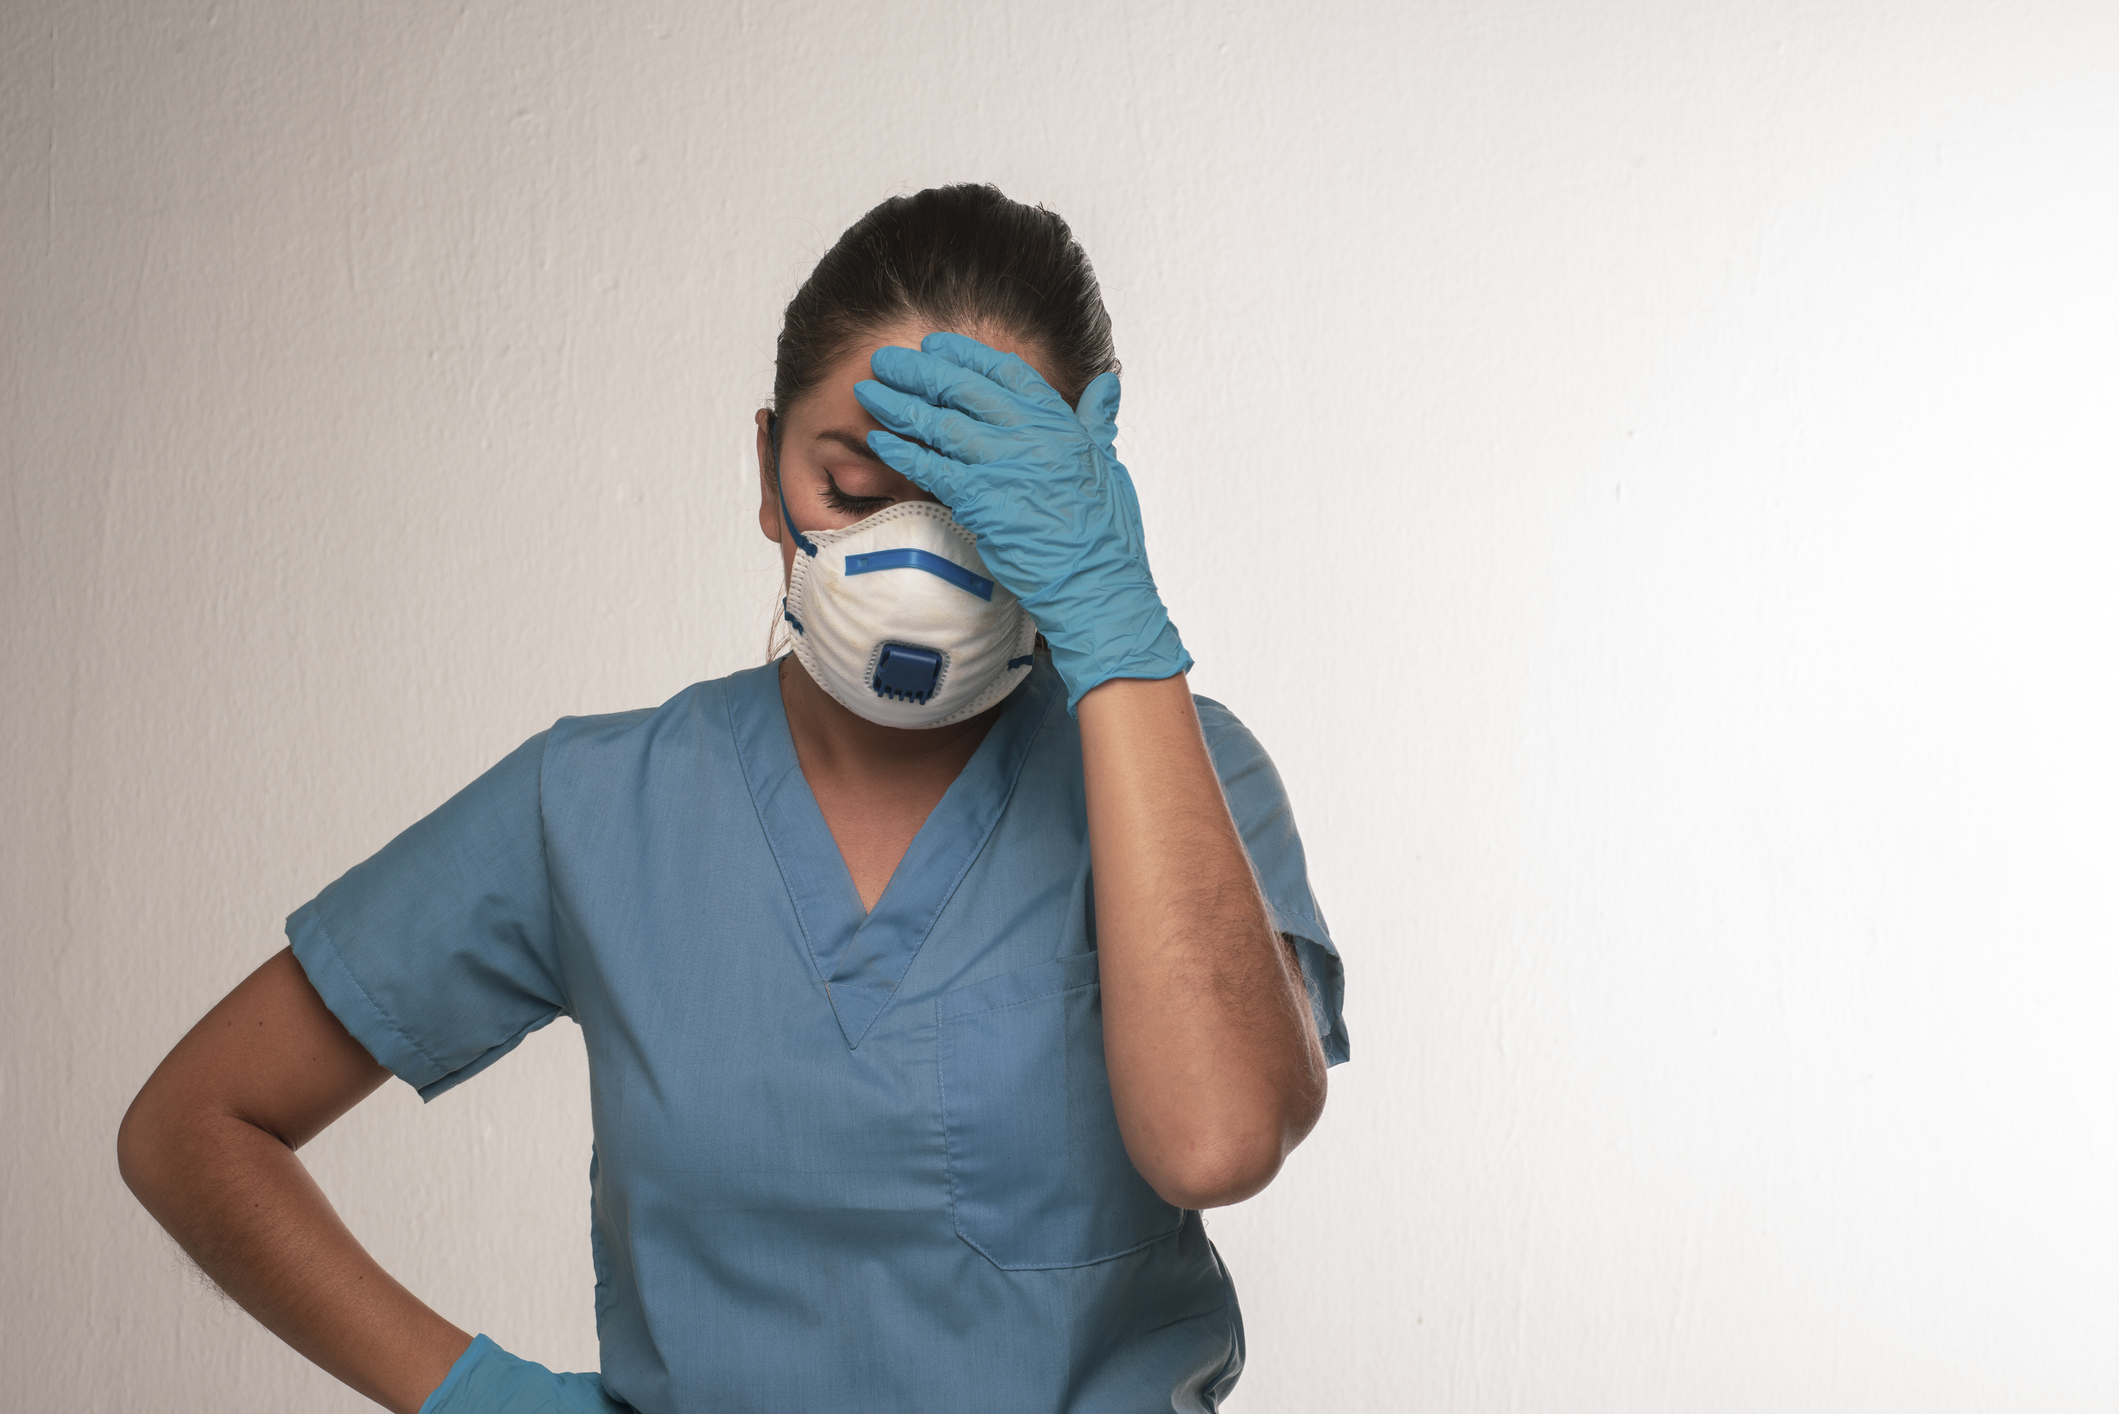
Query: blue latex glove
(1036, 482)
(487, 1380)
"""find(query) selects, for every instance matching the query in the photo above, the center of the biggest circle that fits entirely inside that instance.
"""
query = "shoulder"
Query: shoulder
(694, 721)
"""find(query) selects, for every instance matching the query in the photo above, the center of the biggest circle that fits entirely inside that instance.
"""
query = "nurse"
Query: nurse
(933, 976)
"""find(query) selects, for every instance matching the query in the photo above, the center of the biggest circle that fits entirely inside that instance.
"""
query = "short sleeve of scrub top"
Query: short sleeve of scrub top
(844, 1160)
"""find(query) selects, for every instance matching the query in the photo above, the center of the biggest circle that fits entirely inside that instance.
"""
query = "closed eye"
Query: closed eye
(848, 505)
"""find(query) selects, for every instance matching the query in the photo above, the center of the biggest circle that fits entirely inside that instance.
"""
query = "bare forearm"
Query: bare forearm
(1216, 1072)
(245, 1208)
(209, 1148)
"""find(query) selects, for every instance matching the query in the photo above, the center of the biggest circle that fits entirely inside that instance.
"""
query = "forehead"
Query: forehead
(832, 401)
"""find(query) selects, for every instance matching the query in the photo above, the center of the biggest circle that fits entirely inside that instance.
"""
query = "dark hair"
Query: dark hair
(959, 257)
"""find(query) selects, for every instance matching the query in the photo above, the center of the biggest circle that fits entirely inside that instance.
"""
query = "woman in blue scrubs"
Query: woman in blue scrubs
(933, 976)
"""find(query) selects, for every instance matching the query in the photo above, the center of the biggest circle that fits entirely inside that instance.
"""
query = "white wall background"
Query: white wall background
(1648, 471)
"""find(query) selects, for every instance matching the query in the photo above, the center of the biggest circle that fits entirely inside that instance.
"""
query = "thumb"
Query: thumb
(1097, 410)
(932, 472)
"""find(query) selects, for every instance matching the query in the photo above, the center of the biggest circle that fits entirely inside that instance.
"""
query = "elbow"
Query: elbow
(1217, 1180)
(137, 1147)
(1216, 1169)
(151, 1142)
(1217, 1145)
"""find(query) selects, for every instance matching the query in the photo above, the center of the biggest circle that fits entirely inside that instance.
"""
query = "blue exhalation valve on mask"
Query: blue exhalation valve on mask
(907, 673)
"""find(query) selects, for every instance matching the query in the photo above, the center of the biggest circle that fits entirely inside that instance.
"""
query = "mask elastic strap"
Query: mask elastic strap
(802, 542)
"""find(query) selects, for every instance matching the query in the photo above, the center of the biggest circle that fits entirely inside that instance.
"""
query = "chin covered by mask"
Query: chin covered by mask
(896, 617)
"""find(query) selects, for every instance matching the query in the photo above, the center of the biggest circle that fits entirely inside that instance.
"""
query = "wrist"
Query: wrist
(481, 1349)
(1152, 650)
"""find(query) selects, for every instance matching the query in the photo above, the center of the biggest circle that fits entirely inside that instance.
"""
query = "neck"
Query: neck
(830, 738)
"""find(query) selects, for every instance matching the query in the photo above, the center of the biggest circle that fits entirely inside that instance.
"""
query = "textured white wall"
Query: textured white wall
(1646, 470)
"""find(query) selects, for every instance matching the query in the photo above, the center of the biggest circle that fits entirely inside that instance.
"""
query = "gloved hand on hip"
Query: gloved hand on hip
(487, 1380)
(1036, 482)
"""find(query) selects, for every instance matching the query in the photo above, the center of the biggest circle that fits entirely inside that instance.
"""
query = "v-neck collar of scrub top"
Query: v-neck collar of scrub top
(861, 957)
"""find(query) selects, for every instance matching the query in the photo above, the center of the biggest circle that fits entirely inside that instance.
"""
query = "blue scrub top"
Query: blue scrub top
(843, 1161)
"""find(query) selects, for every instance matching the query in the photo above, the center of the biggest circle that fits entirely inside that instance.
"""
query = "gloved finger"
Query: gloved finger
(932, 472)
(944, 384)
(950, 433)
(1098, 409)
(1007, 369)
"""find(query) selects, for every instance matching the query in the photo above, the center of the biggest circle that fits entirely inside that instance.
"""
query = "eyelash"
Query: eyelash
(846, 505)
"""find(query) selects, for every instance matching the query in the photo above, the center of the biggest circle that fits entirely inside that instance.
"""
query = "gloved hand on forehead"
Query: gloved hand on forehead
(488, 1380)
(1035, 480)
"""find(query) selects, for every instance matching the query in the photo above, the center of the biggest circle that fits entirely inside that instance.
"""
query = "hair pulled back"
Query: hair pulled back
(958, 257)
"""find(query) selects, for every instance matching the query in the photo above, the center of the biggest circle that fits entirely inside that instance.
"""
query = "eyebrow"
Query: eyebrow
(852, 442)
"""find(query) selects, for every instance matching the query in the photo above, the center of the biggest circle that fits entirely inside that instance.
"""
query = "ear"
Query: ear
(768, 488)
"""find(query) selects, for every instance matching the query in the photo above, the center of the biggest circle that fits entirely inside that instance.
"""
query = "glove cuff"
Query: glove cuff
(1152, 654)
(475, 1354)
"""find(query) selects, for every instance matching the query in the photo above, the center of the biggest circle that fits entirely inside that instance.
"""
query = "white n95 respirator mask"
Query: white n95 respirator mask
(896, 617)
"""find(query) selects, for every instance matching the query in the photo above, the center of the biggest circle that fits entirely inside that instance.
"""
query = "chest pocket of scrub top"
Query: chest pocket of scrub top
(1038, 1174)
